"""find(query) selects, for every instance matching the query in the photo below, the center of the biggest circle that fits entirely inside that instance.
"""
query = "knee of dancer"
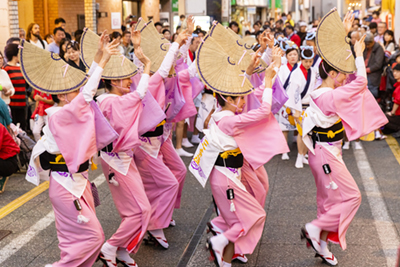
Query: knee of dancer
(146, 211)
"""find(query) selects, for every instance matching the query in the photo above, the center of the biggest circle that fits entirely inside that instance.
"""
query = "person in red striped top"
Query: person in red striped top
(18, 100)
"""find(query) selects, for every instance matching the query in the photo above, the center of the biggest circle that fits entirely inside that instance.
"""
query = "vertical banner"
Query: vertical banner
(225, 4)
(175, 6)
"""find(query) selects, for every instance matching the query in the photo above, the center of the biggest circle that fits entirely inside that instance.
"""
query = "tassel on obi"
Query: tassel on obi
(111, 179)
(332, 185)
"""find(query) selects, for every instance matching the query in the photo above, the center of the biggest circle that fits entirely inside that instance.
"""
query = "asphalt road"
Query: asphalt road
(372, 239)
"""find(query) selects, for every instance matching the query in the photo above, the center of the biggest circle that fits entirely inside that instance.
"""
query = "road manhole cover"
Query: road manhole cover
(4, 233)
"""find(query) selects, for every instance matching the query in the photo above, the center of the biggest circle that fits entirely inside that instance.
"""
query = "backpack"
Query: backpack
(26, 146)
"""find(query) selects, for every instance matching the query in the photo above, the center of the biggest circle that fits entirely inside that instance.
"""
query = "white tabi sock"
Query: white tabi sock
(225, 264)
(324, 247)
(109, 251)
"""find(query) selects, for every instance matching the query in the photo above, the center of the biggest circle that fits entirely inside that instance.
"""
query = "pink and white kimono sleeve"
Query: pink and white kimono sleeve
(123, 113)
(355, 105)
(189, 109)
(257, 134)
(73, 128)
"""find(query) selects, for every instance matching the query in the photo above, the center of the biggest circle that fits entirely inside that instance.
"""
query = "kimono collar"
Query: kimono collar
(290, 67)
(217, 116)
(304, 71)
(318, 92)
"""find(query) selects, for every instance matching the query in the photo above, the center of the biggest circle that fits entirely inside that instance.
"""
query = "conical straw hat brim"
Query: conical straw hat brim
(47, 72)
(219, 71)
(249, 40)
(118, 67)
(236, 47)
(154, 46)
(333, 45)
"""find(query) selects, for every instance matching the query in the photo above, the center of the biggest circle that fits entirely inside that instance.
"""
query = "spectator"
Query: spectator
(364, 29)
(374, 59)
(302, 33)
(22, 34)
(181, 19)
(247, 33)
(63, 49)
(167, 34)
(315, 23)
(394, 115)
(39, 116)
(292, 36)
(289, 19)
(356, 21)
(381, 31)
(388, 42)
(59, 35)
(33, 36)
(375, 17)
(178, 29)
(78, 35)
(18, 100)
(256, 26)
(48, 38)
(126, 44)
(174, 37)
(366, 21)
(234, 26)
(60, 23)
(8, 157)
(73, 51)
(279, 25)
(158, 26)
(373, 27)
(6, 87)
(5, 118)
(355, 36)
(118, 36)
(283, 17)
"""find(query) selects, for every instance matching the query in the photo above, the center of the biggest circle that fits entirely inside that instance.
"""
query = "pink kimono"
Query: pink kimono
(129, 197)
(360, 114)
(257, 136)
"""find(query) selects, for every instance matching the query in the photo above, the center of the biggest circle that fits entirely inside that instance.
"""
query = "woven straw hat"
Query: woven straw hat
(154, 46)
(220, 70)
(249, 40)
(119, 67)
(236, 46)
(333, 44)
(47, 72)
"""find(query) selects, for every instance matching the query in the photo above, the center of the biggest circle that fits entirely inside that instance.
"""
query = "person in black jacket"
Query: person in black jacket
(374, 59)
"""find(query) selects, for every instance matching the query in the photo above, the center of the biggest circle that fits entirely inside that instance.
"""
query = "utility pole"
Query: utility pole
(273, 8)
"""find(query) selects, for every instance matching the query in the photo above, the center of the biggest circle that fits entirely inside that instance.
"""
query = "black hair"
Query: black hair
(258, 33)
(233, 23)
(328, 69)
(307, 53)
(221, 100)
(166, 30)
(397, 67)
(59, 20)
(279, 21)
(290, 27)
(178, 27)
(13, 39)
(11, 50)
(158, 24)
(391, 34)
(290, 50)
(373, 25)
(47, 36)
(258, 22)
(266, 27)
(283, 15)
(58, 29)
(55, 99)
(182, 16)
(278, 33)
(107, 84)
(115, 35)
(357, 19)
(62, 52)
(376, 13)
(125, 33)
(247, 32)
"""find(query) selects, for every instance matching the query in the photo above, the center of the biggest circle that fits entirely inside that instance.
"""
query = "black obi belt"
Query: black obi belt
(231, 159)
(56, 163)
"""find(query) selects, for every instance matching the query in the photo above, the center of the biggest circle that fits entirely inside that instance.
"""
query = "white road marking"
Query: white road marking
(22, 239)
(383, 223)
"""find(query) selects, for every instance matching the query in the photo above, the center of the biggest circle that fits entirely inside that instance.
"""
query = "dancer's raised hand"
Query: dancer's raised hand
(359, 46)
(348, 21)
